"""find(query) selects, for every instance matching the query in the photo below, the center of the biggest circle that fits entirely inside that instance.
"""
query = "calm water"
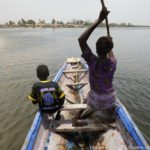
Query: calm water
(21, 50)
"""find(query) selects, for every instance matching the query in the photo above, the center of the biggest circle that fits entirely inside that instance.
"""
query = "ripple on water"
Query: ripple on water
(17, 118)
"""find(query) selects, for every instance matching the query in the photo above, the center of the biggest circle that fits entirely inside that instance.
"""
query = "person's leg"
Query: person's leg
(111, 117)
(45, 119)
(75, 119)
(58, 116)
(82, 114)
(86, 113)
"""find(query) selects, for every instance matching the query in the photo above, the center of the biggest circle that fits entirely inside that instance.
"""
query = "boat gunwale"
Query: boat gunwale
(132, 128)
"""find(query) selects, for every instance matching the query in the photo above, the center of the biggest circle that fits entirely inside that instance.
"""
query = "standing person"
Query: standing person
(46, 93)
(101, 68)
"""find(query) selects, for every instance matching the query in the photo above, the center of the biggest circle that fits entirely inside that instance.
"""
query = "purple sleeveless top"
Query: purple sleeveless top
(100, 72)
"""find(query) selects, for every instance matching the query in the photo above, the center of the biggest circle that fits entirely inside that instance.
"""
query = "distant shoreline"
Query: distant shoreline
(75, 23)
(68, 26)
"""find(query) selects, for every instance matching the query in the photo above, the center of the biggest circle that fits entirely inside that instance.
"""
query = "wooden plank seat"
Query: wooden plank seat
(73, 60)
(74, 107)
(75, 71)
(76, 86)
(76, 75)
(66, 126)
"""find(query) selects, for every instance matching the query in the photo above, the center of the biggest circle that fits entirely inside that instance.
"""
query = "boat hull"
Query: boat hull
(41, 137)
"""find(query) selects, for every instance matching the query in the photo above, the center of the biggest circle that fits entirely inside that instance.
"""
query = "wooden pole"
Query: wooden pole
(107, 25)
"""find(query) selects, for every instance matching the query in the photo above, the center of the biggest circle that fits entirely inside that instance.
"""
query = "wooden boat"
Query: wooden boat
(48, 134)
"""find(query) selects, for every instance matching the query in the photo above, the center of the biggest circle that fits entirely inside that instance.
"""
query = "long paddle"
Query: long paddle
(107, 26)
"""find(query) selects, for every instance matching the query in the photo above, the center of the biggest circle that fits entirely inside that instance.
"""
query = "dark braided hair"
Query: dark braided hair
(42, 72)
(104, 45)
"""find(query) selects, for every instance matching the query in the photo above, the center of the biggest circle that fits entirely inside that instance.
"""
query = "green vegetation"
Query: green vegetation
(78, 23)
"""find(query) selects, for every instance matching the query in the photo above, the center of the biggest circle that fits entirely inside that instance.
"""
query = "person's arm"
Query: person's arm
(60, 94)
(61, 98)
(84, 37)
(33, 96)
(111, 54)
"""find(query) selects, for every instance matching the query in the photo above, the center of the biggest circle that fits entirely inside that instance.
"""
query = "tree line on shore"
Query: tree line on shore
(55, 23)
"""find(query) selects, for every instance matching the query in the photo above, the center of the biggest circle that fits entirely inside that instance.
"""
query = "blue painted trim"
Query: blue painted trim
(132, 128)
(29, 141)
(85, 65)
(31, 136)
(60, 72)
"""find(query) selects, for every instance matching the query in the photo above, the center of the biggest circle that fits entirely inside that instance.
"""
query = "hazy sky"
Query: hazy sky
(134, 11)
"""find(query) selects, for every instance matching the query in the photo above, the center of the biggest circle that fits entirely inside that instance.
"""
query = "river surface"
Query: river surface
(21, 50)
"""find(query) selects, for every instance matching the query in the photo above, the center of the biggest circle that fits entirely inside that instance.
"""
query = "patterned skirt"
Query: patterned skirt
(101, 101)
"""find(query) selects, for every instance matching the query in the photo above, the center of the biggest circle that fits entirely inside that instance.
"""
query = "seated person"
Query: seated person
(47, 94)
